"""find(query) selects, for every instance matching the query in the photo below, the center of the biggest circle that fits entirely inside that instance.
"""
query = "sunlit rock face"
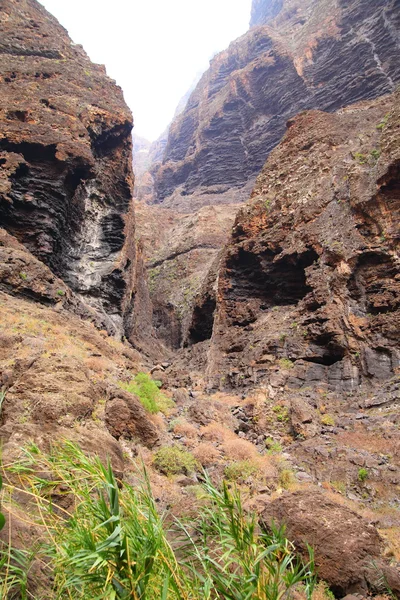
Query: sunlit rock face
(309, 289)
(65, 159)
(298, 55)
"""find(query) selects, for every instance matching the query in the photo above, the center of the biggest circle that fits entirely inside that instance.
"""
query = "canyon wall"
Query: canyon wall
(299, 55)
(309, 289)
(296, 56)
(66, 161)
(69, 264)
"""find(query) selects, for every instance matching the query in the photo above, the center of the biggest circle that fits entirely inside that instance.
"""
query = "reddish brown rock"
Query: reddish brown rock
(125, 416)
(302, 55)
(65, 158)
(346, 546)
(181, 252)
(304, 419)
(298, 55)
(310, 276)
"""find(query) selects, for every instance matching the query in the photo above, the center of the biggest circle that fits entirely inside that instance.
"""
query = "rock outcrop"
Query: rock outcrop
(68, 257)
(65, 160)
(296, 56)
(310, 285)
(301, 55)
(180, 250)
(347, 547)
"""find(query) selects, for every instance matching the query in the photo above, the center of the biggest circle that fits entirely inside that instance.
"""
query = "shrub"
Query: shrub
(362, 474)
(96, 363)
(182, 427)
(172, 460)
(114, 544)
(328, 420)
(240, 470)
(359, 157)
(215, 432)
(238, 449)
(281, 412)
(339, 486)
(148, 392)
(272, 446)
(286, 363)
(375, 154)
(206, 454)
(286, 478)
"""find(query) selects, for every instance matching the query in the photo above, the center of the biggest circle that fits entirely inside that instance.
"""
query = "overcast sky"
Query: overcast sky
(153, 48)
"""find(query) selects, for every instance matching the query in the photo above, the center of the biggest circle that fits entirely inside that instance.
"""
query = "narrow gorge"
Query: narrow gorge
(247, 261)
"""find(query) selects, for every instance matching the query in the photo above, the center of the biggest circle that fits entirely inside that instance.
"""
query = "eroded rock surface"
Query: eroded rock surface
(346, 546)
(60, 378)
(309, 54)
(65, 158)
(310, 282)
(296, 56)
(180, 251)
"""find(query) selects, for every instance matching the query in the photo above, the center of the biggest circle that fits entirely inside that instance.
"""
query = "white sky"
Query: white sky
(153, 48)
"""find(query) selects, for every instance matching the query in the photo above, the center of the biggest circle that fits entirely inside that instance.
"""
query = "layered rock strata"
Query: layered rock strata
(179, 250)
(296, 56)
(310, 287)
(65, 159)
(301, 55)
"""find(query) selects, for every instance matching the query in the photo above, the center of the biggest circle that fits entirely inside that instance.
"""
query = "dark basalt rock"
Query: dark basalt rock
(310, 277)
(312, 54)
(65, 158)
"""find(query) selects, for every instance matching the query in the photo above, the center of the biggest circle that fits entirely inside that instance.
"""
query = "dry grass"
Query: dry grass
(207, 454)
(215, 432)
(391, 537)
(239, 449)
(183, 427)
(158, 420)
(367, 440)
(320, 592)
(97, 364)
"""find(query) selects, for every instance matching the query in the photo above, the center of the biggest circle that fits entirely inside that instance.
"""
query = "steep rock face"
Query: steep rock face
(179, 251)
(65, 159)
(312, 54)
(298, 55)
(309, 292)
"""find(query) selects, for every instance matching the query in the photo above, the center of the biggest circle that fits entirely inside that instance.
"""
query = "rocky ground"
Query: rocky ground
(278, 357)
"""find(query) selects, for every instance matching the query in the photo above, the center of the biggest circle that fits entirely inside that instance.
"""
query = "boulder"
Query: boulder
(347, 547)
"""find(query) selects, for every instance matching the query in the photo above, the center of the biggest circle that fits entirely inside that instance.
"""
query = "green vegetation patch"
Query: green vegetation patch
(362, 474)
(328, 420)
(149, 393)
(113, 544)
(173, 460)
(240, 470)
(281, 412)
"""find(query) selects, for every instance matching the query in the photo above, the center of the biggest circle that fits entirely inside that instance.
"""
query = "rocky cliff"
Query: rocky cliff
(297, 55)
(67, 251)
(65, 160)
(309, 291)
(302, 55)
(288, 382)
